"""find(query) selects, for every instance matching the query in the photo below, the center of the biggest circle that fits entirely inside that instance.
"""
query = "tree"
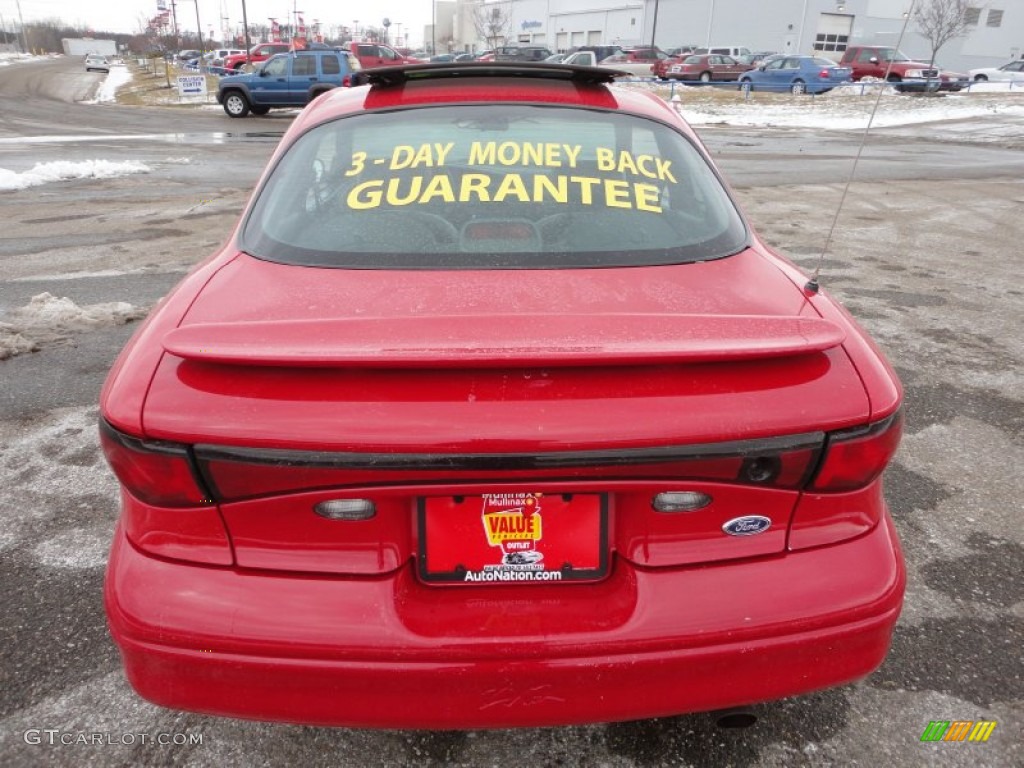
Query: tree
(940, 21)
(493, 23)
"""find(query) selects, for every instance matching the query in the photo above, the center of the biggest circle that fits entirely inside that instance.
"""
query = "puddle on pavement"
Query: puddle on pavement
(217, 137)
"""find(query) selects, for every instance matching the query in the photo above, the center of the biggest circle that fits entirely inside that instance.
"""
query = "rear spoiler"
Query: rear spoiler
(487, 341)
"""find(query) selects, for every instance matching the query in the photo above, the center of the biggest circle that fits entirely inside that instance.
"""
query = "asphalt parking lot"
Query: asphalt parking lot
(926, 255)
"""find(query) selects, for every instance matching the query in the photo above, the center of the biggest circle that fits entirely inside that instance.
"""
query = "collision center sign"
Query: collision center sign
(191, 85)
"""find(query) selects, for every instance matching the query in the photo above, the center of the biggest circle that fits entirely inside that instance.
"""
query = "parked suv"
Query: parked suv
(522, 53)
(215, 58)
(258, 53)
(286, 80)
(905, 73)
(728, 50)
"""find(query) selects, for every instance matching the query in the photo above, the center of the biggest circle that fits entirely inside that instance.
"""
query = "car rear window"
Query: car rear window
(492, 186)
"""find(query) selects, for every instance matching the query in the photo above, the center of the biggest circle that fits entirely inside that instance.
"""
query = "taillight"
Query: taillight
(157, 473)
(855, 457)
(825, 74)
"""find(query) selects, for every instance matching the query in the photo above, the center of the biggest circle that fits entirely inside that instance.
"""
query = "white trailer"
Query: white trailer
(81, 46)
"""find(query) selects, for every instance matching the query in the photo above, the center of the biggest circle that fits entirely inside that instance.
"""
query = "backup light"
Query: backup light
(680, 501)
(346, 509)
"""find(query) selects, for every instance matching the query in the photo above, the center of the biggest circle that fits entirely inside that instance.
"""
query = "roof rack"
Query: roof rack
(446, 70)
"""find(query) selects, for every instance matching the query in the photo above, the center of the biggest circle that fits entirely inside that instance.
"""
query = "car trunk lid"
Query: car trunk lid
(532, 360)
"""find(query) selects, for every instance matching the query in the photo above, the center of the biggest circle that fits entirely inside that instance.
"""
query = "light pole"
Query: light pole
(199, 31)
(24, 34)
(711, 19)
(245, 23)
(654, 24)
(800, 34)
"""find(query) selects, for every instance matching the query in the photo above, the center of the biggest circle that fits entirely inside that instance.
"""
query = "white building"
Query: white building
(996, 31)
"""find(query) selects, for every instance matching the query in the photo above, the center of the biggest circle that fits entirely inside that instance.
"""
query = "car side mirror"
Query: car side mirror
(873, 59)
(261, 72)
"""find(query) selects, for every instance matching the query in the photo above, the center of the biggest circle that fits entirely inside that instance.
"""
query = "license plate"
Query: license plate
(513, 538)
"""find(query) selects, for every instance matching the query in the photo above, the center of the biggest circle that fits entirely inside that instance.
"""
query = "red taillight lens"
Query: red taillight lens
(825, 74)
(159, 474)
(855, 457)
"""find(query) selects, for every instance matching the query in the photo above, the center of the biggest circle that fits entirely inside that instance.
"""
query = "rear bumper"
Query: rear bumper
(391, 652)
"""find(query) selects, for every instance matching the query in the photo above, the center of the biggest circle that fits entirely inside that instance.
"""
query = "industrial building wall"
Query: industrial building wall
(588, 22)
(819, 26)
(797, 26)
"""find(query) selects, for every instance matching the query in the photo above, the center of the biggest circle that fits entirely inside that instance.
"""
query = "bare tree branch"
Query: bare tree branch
(940, 21)
(493, 22)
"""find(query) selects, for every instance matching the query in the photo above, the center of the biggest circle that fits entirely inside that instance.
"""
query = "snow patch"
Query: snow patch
(47, 319)
(75, 548)
(840, 111)
(107, 93)
(58, 499)
(62, 170)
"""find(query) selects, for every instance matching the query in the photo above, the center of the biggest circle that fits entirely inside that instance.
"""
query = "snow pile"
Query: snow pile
(107, 94)
(60, 170)
(843, 108)
(49, 320)
(839, 111)
(58, 499)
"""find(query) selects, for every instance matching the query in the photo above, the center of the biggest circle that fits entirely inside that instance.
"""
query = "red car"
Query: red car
(661, 66)
(707, 68)
(258, 53)
(494, 411)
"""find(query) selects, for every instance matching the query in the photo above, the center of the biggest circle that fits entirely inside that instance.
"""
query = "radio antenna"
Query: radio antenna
(812, 285)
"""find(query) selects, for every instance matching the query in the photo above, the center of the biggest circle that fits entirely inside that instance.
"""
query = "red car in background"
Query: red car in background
(707, 68)
(660, 67)
(494, 411)
(258, 53)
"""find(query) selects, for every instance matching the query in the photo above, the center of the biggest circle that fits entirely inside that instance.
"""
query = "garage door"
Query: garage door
(833, 32)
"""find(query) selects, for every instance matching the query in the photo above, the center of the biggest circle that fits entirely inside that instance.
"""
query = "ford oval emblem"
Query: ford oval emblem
(748, 525)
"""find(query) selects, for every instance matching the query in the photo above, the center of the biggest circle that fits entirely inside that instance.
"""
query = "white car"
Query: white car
(215, 58)
(1010, 72)
(96, 63)
(581, 58)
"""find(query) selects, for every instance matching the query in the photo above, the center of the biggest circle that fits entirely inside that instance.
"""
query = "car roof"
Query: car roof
(420, 85)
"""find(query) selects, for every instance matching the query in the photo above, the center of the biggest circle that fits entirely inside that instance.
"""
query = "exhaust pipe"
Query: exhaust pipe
(735, 718)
